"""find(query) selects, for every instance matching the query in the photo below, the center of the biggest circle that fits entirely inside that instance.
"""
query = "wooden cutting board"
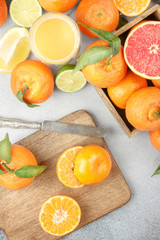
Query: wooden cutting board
(20, 209)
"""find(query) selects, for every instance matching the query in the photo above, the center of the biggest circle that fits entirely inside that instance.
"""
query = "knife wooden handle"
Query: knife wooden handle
(16, 123)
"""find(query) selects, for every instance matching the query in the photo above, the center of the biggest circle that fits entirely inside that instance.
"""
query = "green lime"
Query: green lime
(24, 13)
(67, 81)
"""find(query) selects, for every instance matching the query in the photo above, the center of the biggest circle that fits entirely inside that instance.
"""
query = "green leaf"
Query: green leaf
(122, 22)
(109, 37)
(93, 55)
(20, 95)
(157, 171)
(5, 149)
(1, 172)
(29, 171)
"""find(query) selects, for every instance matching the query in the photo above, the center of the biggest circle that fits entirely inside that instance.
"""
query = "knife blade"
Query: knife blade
(2, 235)
(54, 126)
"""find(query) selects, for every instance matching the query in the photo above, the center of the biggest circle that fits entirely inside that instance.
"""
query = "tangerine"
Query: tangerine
(120, 93)
(143, 109)
(37, 76)
(58, 5)
(97, 14)
(92, 164)
(3, 12)
(155, 138)
(21, 157)
(102, 75)
(156, 83)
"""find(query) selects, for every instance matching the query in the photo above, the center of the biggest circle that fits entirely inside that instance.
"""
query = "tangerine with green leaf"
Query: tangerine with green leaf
(143, 109)
(18, 166)
(106, 73)
(35, 78)
(99, 14)
(21, 157)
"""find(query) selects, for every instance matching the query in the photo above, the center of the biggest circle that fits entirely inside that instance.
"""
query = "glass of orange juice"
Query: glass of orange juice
(55, 38)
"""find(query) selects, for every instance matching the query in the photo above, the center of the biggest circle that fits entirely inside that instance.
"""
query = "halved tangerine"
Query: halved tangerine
(59, 215)
(65, 167)
(132, 8)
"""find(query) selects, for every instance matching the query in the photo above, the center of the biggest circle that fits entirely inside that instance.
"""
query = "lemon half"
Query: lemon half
(14, 48)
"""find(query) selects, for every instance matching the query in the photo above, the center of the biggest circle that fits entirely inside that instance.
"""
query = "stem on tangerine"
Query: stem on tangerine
(7, 168)
(157, 114)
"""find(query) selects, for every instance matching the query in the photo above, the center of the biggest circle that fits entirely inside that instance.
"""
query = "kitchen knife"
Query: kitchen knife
(2, 235)
(55, 127)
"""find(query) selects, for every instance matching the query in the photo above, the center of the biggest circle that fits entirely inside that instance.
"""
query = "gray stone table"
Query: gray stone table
(140, 218)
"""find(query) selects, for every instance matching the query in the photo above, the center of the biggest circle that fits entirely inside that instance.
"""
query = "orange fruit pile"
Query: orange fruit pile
(99, 14)
(59, 215)
(21, 157)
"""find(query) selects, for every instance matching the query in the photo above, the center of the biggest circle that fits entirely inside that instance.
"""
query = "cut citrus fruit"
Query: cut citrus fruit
(24, 13)
(142, 50)
(59, 215)
(14, 48)
(65, 168)
(67, 81)
(132, 8)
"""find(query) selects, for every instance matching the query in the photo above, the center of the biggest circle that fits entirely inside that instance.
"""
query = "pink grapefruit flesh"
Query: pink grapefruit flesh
(142, 50)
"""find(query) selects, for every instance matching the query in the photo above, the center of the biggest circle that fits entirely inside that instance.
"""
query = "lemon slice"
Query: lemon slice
(25, 12)
(14, 48)
(67, 81)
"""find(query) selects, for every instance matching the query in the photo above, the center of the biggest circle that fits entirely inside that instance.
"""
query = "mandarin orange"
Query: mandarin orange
(103, 76)
(21, 157)
(57, 5)
(3, 12)
(143, 109)
(100, 14)
(37, 76)
(156, 83)
(92, 164)
(120, 93)
(155, 138)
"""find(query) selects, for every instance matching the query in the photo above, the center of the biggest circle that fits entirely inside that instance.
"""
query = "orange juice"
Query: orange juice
(55, 38)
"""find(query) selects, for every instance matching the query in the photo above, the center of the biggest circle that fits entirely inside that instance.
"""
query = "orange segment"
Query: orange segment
(65, 168)
(59, 215)
(132, 8)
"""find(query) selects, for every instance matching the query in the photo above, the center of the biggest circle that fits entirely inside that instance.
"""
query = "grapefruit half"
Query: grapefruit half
(142, 50)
